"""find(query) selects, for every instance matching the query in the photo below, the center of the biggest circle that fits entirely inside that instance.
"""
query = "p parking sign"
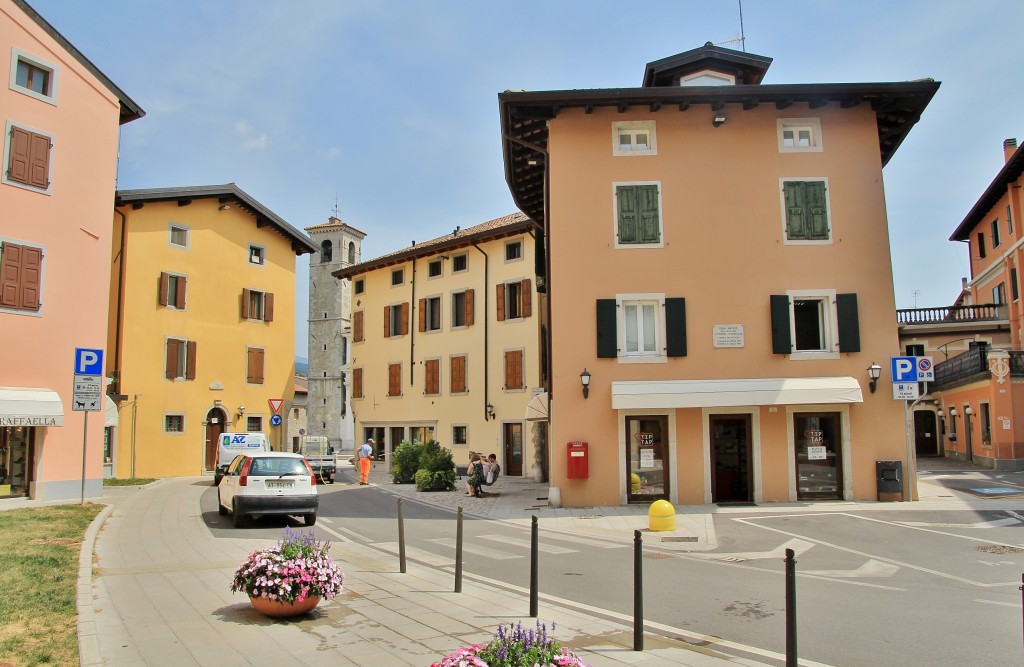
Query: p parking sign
(912, 369)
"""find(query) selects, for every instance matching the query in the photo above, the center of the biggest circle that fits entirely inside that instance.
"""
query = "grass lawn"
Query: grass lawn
(134, 481)
(38, 573)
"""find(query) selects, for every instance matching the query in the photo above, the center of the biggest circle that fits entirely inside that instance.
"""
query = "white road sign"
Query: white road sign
(905, 391)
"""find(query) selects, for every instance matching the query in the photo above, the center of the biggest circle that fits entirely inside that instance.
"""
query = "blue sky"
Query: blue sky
(391, 109)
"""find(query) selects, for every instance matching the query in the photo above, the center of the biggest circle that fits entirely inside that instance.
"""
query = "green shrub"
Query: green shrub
(405, 461)
(439, 468)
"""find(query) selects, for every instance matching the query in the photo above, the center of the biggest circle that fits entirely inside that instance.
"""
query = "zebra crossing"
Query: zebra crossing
(511, 547)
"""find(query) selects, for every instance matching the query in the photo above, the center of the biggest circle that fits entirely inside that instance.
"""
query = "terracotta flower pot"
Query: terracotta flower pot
(277, 609)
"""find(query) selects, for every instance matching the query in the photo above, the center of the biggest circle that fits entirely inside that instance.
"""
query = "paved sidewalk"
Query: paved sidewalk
(158, 593)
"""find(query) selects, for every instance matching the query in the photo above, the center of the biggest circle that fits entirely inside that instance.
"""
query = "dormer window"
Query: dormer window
(707, 78)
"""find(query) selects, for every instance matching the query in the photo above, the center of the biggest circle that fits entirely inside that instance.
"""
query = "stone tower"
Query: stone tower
(329, 412)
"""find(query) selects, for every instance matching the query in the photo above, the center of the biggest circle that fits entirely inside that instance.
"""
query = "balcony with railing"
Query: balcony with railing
(972, 366)
(990, 312)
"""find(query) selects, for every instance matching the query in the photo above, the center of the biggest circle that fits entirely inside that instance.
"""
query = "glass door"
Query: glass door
(819, 461)
(730, 459)
(646, 458)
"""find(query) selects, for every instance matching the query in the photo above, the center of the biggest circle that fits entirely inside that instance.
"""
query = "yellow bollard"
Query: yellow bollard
(662, 516)
(634, 483)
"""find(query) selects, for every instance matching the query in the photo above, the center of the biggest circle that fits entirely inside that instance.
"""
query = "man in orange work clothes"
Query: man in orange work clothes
(365, 454)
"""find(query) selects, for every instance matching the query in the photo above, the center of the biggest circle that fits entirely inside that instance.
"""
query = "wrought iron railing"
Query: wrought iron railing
(981, 313)
(963, 367)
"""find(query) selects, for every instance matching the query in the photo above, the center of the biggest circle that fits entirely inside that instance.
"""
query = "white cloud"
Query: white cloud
(332, 152)
(255, 143)
(250, 141)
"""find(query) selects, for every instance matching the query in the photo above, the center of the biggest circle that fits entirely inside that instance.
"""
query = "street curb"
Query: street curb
(88, 640)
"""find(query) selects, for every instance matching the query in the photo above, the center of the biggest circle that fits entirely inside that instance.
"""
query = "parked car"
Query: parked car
(258, 483)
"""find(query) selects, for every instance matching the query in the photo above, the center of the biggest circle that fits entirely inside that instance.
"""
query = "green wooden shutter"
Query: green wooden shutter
(795, 210)
(781, 338)
(629, 213)
(849, 322)
(816, 217)
(607, 345)
(675, 327)
(650, 229)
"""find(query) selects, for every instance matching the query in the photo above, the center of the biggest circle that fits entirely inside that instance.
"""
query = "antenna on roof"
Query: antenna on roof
(742, 39)
(336, 205)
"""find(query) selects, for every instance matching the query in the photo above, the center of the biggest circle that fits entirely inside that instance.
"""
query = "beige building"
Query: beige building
(446, 343)
(717, 260)
(202, 324)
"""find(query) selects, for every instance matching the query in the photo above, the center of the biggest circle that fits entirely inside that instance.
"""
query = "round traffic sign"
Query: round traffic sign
(275, 420)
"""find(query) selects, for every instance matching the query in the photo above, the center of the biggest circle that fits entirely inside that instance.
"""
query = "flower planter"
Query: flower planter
(276, 609)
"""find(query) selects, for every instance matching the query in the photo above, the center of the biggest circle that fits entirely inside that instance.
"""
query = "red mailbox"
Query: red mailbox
(577, 460)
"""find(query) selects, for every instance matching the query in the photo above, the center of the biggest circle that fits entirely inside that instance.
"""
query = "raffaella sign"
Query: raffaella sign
(30, 421)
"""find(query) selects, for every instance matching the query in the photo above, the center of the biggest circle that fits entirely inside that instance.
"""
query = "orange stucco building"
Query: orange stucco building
(718, 269)
(61, 117)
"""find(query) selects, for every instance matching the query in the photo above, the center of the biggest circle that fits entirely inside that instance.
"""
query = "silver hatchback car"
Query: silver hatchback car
(258, 483)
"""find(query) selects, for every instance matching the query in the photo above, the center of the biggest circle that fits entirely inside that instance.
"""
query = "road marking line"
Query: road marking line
(1015, 605)
(750, 522)
(427, 557)
(797, 545)
(872, 568)
(995, 523)
(587, 541)
(475, 549)
(546, 548)
(338, 535)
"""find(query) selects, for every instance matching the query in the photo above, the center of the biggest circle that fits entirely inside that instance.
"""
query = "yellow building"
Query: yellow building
(445, 344)
(718, 260)
(202, 324)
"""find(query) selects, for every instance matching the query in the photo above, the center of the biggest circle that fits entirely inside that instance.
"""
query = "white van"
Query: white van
(233, 444)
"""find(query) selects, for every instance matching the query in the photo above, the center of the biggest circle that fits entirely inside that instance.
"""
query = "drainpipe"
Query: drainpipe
(412, 329)
(487, 289)
(118, 324)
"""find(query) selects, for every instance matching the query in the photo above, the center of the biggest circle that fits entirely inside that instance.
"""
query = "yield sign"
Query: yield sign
(275, 404)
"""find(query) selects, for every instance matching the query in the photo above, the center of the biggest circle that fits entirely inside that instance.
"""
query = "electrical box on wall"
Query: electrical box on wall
(577, 460)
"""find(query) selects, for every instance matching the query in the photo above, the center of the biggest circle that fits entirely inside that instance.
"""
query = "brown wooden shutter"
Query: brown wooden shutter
(268, 307)
(190, 360)
(432, 381)
(527, 296)
(10, 274)
(179, 297)
(39, 162)
(394, 379)
(514, 369)
(357, 383)
(405, 318)
(165, 281)
(458, 375)
(422, 317)
(21, 147)
(31, 277)
(357, 327)
(469, 307)
(245, 304)
(250, 365)
(387, 321)
(500, 300)
(260, 355)
(171, 365)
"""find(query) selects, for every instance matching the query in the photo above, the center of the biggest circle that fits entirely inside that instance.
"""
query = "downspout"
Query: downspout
(118, 324)
(487, 289)
(412, 329)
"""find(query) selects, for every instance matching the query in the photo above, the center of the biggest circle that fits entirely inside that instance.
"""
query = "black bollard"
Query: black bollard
(533, 566)
(458, 551)
(790, 609)
(1022, 599)
(401, 539)
(638, 591)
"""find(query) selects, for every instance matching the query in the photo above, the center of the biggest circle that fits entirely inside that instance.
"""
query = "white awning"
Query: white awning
(109, 412)
(537, 408)
(26, 406)
(734, 393)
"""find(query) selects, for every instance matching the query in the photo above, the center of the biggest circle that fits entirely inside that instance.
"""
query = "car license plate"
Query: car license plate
(280, 484)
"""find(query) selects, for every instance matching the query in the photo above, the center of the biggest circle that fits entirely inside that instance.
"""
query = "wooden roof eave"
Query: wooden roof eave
(996, 190)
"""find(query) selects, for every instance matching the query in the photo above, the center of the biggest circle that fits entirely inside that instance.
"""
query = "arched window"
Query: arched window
(326, 251)
(352, 252)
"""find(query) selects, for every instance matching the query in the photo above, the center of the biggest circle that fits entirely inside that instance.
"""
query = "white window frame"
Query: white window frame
(634, 127)
(522, 251)
(259, 296)
(7, 158)
(171, 226)
(394, 317)
(811, 124)
(42, 278)
(465, 257)
(172, 292)
(182, 358)
(828, 210)
(168, 415)
(455, 326)
(509, 301)
(261, 252)
(829, 327)
(615, 216)
(427, 320)
(658, 355)
(17, 55)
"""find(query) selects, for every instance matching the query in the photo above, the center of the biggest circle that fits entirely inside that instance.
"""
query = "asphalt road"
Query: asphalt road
(873, 588)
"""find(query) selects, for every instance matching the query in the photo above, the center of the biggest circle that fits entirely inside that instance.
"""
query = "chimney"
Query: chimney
(1009, 148)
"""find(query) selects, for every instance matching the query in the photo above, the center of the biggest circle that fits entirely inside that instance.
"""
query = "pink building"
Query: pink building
(61, 117)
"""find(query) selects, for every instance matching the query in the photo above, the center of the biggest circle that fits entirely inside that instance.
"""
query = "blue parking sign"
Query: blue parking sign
(88, 362)
(904, 369)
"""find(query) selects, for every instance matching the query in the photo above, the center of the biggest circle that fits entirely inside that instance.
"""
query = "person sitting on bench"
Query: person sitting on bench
(491, 476)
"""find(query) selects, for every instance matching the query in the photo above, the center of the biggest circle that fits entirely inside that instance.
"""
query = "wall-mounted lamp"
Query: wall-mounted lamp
(968, 410)
(874, 372)
(952, 412)
(938, 412)
(585, 381)
(490, 411)
(718, 118)
(241, 410)
(223, 207)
